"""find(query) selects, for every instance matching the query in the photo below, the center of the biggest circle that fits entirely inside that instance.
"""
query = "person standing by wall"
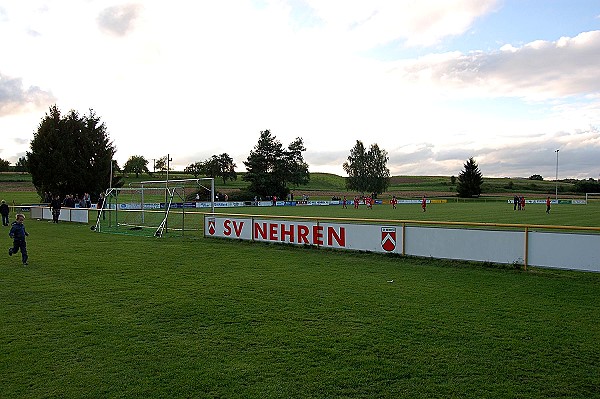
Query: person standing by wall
(4, 210)
(424, 203)
(548, 205)
(55, 205)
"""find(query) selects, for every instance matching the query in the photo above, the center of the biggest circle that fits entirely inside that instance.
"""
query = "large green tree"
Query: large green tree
(70, 154)
(470, 180)
(367, 170)
(270, 167)
(136, 164)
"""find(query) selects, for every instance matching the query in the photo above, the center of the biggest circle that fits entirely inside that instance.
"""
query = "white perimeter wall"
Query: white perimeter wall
(555, 250)
(79, 215)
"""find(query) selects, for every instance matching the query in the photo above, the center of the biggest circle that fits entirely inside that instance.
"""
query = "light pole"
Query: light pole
(556, 178)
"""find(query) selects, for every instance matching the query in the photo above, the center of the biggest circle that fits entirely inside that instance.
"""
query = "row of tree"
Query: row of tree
(72, 153)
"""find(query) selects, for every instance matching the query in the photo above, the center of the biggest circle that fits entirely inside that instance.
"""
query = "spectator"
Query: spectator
(4, 210)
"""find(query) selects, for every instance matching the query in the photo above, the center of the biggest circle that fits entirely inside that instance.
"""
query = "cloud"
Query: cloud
(539, 70)
(118, 20)
(15, 99)
(578, 157)
(375, 23)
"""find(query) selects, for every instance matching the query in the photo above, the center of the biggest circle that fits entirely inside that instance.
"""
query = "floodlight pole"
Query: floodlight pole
(556, 177)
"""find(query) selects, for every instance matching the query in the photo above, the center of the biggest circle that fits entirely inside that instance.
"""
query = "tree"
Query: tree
(136, 164)
(270, 167)
(226, 168)
(216, 166)
(536, 177)
(4, 165)
(211, 167)
(70, 154)
(367, 170)
(587, 186)
(21, 165)
(298, 169)
(469, 180)
(196, 169)
(161, 164)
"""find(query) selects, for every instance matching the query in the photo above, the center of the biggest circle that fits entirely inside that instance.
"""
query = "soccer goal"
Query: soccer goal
(155, 208)
(592, 197)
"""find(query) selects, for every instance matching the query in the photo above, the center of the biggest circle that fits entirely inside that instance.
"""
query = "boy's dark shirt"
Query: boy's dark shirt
(17, 231)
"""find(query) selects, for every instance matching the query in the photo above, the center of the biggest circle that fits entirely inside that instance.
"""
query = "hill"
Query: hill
(18, 186)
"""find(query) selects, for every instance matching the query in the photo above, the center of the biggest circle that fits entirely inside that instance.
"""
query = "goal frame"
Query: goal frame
(170, 188)
(591, 194)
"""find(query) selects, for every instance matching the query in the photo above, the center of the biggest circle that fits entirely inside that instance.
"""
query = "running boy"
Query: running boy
(18, 234)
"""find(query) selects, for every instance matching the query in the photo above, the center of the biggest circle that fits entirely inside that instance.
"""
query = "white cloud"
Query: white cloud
(538, 70)
(119, 20)
(16, 99)
(373, 23)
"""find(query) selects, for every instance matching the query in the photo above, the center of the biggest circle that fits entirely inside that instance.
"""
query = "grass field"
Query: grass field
(100, 315)
(477, 212)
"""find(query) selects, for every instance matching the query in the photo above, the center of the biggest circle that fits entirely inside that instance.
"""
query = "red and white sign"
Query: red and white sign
(362, 237)
(388, 238)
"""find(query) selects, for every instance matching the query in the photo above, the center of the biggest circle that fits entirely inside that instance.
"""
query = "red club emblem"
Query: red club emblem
(211, 226)
(388, 238)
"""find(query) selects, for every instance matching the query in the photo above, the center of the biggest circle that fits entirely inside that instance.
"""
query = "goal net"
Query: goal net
(155, 208)
(592, 197)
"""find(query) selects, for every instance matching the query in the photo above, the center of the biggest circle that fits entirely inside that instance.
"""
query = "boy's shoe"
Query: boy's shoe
(25, 263)
(9, 251)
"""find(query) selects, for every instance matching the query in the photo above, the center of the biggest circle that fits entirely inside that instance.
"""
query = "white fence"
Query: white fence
(508, 244)
(79, 215)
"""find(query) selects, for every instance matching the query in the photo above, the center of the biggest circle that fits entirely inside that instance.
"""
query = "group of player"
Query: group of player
(368, 201)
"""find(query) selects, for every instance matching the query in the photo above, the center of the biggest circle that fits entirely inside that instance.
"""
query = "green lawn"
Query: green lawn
(100, 315)
(470, 212)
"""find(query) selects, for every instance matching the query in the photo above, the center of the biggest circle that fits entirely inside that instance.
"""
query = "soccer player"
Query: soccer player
(548, 205)
(394, 201)
(424, 204)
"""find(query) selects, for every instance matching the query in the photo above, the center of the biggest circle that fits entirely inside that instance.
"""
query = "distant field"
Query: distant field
(18, 187)
(100, 315)
(471, 212)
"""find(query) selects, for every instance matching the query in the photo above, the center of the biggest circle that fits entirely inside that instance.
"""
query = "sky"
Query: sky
(432, 82)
